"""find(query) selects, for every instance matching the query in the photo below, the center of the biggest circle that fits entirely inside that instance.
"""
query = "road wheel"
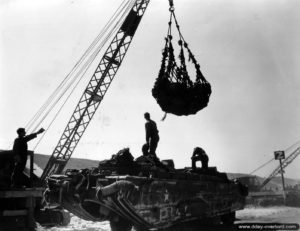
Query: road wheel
(66, 218)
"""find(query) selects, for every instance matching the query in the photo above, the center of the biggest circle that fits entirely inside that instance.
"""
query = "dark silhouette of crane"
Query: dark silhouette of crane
(284, 164)
(95, 90)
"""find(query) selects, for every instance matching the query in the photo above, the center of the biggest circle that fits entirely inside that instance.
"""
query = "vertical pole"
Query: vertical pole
(283, 185)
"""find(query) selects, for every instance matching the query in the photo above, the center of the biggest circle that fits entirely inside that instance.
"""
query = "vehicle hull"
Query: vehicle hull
(148, 202)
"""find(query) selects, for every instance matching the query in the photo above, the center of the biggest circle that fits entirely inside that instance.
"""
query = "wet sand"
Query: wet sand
(278, 214)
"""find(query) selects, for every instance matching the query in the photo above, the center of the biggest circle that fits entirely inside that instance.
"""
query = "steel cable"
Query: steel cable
(48, 102)
(83, 70)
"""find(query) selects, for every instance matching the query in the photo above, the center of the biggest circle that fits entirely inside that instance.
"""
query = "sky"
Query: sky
(248, 51)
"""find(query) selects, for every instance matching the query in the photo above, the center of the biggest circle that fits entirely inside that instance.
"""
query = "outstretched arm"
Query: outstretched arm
(34, 135)
(40, 131)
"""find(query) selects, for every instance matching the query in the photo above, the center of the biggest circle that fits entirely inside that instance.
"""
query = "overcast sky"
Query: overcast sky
(248, 50)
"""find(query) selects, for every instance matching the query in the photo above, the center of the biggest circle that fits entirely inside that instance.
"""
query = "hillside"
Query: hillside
(274, 184)
(74, 163)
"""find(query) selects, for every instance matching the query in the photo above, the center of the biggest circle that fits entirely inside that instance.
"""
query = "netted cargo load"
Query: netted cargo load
(174, 90)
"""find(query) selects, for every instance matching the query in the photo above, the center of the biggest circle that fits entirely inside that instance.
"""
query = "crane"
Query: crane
(285, 163)
(95, 90)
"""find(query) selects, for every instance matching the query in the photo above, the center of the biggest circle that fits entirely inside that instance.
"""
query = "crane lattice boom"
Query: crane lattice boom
(95, 90)
(285, 163)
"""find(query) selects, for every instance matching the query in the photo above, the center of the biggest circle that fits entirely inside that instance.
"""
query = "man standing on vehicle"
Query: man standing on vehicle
(20, 149)
(152, 136)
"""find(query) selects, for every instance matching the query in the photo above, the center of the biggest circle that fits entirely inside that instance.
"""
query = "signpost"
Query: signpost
(280, 155)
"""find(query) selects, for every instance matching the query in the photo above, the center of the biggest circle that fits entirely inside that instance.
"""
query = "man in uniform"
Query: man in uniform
(20, 149)
(145, 150)
(152, 136)
(199, 155)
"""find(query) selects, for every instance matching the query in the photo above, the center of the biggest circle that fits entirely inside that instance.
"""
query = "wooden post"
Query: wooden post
(279, 155)
(283, 184)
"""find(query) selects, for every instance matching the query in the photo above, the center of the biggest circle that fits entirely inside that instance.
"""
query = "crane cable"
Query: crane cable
(74, 87)
(91, 47)
(261, 166)
(86, 65)
(116, 17)
(289, 149)
(82, 72)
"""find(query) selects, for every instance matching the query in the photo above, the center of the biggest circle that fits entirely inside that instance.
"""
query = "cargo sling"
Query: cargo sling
(173, 90)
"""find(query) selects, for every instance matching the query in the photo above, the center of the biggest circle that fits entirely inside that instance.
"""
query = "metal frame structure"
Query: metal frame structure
(95, 90)
(283, 165)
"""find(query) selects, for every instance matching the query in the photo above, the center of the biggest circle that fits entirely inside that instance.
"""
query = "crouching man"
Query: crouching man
(199, 155)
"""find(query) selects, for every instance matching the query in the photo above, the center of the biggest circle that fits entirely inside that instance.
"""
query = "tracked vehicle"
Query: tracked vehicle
(141, 194)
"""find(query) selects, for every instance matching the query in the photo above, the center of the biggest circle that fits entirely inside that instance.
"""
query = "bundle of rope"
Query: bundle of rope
(173, 90)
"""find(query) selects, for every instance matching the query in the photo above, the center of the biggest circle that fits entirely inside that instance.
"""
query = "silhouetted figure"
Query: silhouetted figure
(145, 150)
(199, 155)
(153, 158)
(152, 136)
(20, 149)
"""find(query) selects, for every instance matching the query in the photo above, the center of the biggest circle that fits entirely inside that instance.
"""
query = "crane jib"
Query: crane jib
(95, 90)
(131, 23)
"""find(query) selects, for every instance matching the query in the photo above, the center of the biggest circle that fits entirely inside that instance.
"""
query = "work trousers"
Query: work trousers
(17, 175)
(153, 145)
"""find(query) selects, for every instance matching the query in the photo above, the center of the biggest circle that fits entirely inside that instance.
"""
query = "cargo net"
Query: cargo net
(174, 90)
